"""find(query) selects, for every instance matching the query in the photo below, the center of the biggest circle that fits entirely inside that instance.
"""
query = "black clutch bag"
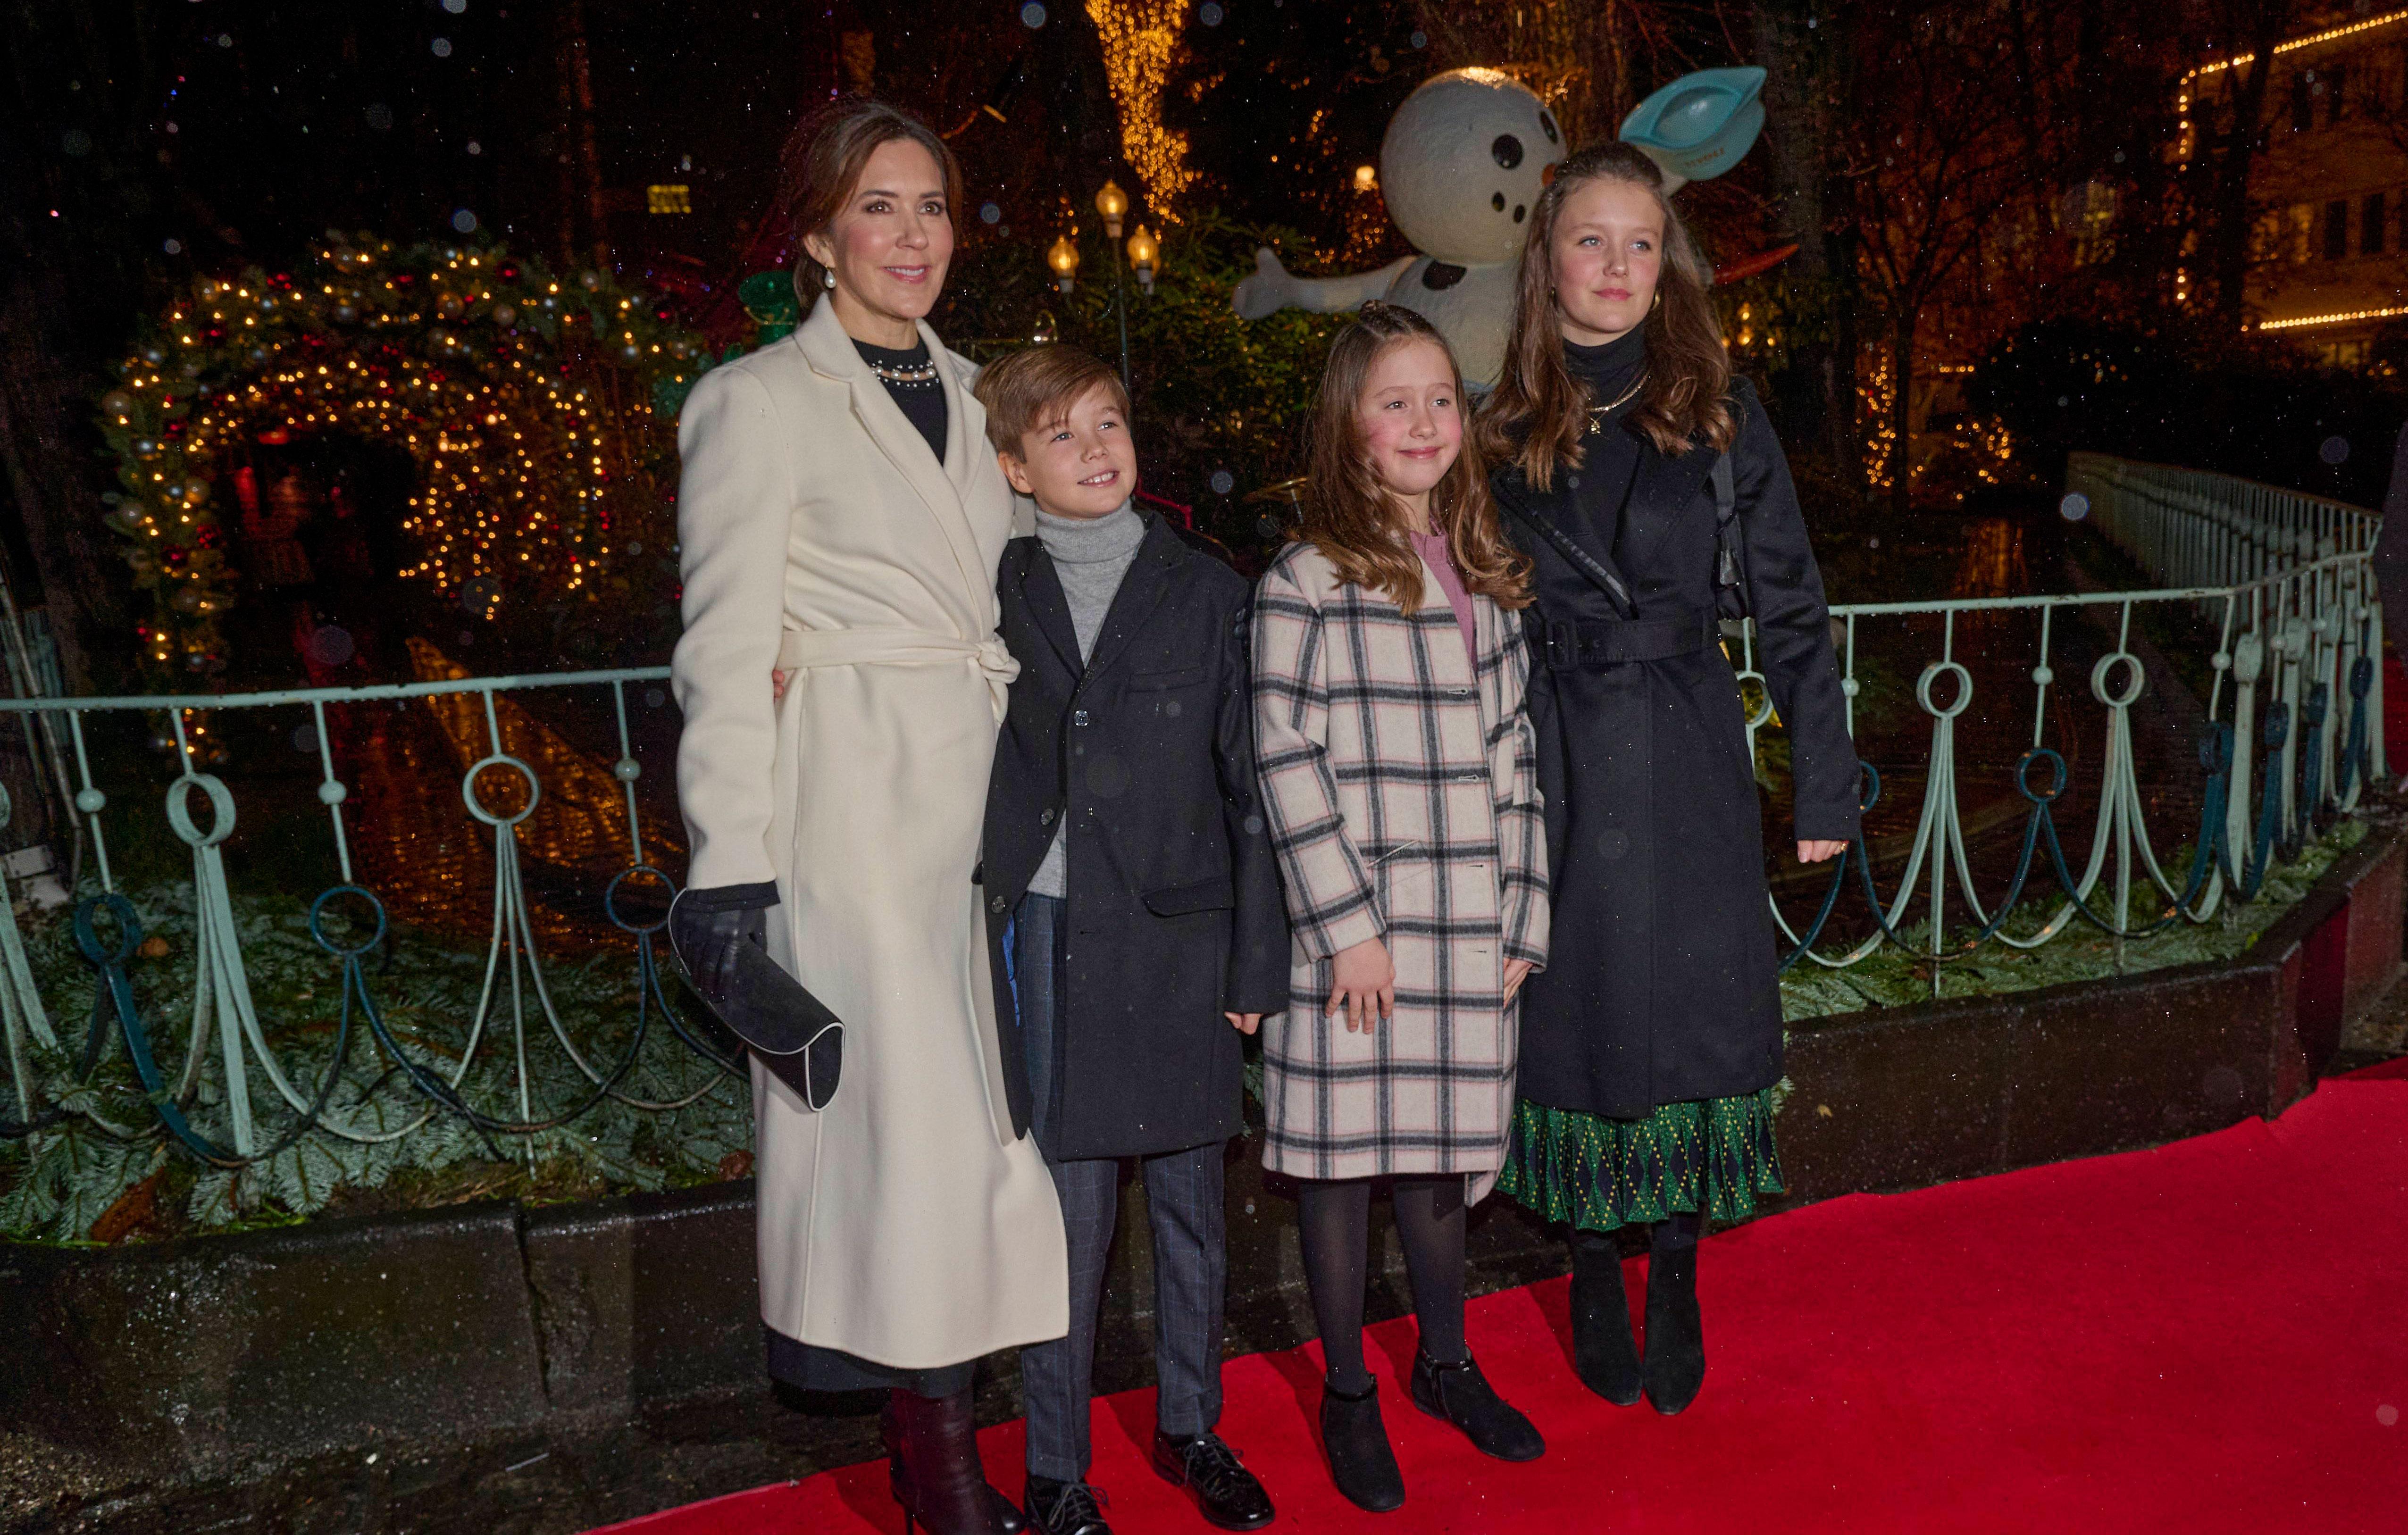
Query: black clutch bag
(793, 1032)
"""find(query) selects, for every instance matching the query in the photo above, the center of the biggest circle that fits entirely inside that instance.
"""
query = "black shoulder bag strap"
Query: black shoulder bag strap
(1574, 555)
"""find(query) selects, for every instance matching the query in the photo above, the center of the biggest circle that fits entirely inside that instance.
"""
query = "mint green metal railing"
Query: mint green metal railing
(222, 995)
(2293, 715)
(2286, 581)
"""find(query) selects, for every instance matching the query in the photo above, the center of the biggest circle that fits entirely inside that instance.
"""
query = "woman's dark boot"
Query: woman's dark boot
(889, 1433)
(1604, 1354)
(1676, 1340)
(943, 1488)
(1361, 1461)
(1463, 1397)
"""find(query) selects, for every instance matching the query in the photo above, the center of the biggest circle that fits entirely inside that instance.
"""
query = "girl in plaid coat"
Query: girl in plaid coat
(1399, 768)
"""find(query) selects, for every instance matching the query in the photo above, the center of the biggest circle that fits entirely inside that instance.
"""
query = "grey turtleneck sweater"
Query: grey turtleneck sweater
(1090, 556)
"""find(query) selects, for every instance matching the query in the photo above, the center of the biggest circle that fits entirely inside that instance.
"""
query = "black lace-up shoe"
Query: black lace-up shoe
(1463, 1397)
(1226, 1491)
(1065, 1508)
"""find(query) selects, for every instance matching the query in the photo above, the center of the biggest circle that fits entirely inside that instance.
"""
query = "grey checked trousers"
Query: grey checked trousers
(1191, 1259)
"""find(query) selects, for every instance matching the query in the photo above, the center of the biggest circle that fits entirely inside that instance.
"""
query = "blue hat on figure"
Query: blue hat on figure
(1698, 125)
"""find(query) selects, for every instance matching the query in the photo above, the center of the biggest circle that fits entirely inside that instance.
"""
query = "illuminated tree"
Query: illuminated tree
(534, 410)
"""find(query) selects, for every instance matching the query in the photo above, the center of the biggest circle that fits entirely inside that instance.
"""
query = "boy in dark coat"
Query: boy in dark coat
(1134, 906)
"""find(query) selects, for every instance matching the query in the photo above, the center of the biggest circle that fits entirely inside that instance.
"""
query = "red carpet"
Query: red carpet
(2208, 1337)
(2395, 713)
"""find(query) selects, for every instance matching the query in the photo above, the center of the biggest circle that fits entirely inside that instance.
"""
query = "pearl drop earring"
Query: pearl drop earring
(827, 280)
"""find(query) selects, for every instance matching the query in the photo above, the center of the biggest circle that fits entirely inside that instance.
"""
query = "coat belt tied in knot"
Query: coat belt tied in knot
(801, 650)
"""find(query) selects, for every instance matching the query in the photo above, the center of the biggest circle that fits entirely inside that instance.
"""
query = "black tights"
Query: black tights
(1335, 1218)
(1674, 1232)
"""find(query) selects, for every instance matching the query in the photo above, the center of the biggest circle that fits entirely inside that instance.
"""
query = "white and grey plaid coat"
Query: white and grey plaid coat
(1402, 787)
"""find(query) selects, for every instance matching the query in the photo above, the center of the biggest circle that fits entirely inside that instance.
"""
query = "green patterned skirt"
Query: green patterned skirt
(1711, 1157)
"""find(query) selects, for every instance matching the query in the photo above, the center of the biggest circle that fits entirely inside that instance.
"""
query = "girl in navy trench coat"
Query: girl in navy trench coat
(1651, 1043)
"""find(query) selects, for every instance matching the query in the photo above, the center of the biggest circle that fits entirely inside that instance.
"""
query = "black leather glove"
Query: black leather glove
(708, 924)
(785, 1028)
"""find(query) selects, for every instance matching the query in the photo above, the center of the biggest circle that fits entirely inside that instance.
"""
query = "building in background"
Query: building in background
(2329, 261)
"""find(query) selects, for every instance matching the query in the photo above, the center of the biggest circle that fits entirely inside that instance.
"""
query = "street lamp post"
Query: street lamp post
(1113, 203)
(1143, 253)
(1064, 259)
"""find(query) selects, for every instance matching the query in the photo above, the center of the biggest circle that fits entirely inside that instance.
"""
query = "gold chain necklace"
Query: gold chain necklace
(1597, 413)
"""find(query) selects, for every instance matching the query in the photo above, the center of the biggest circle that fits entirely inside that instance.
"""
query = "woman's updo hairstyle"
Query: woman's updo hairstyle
(823, 160)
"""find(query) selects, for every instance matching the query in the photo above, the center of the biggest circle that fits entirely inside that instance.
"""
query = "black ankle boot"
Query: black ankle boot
(1009, 1519)
(1463, 1397)
(1361, 1461)
(942, 1488)
(1675, 1367)
(1604, 1354)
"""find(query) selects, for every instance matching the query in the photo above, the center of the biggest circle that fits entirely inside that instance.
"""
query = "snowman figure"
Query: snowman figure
(1462, 164)
(1463, 161)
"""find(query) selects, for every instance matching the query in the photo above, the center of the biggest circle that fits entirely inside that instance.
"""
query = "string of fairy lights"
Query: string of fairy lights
(1140, 44)
(531, 408)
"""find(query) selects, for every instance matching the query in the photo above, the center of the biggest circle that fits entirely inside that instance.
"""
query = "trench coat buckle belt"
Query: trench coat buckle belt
(1578, 646)
(801, 650)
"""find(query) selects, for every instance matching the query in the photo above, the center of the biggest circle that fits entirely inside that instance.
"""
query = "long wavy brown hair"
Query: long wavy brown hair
(1356, 522)
(1538, 413)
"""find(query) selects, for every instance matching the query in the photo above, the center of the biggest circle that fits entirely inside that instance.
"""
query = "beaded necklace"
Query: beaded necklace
(911, 375)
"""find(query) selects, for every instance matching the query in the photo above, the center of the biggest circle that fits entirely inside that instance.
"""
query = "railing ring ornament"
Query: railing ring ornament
(2041, 756)
(2249, 658)
(2111, 697)
(317, 925)
(1931, 674)
(1760, 714)
(477, 807)
(180, 810)
(610, 898)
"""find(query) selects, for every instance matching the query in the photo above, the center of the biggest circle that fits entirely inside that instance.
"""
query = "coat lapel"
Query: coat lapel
(1140, 593)
(1049, 607)
(1664, 494)
(940, 486)
(961, 447)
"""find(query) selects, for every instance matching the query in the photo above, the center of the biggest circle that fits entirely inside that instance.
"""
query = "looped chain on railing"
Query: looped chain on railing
(221, 991)
(2286, 578)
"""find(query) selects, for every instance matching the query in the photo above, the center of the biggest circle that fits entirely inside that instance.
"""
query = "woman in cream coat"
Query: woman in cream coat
(908, 1228)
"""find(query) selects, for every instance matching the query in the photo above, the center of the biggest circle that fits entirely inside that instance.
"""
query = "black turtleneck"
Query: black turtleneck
(1612, 451)
(1611, 368)
(923, 401)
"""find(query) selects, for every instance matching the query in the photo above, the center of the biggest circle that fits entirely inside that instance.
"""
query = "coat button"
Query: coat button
(995, 904)
(1045, 817)
(1079, 716)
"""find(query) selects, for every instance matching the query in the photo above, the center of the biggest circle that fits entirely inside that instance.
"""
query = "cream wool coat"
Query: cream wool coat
(906, 1224)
